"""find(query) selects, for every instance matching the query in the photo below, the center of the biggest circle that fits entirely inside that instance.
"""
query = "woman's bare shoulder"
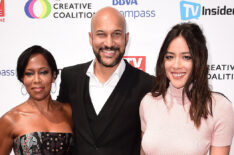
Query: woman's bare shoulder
(13, 115)
(9, 120)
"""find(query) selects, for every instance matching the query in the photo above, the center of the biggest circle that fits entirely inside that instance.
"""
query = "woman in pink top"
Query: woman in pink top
(181, 116)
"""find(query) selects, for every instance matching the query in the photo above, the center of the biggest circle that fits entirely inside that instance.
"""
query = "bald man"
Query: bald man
(105, 93)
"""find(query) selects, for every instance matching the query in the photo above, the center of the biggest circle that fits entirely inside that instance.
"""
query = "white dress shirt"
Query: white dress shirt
(99, 93)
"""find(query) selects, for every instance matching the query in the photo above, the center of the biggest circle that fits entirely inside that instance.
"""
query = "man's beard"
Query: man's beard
(117, 59)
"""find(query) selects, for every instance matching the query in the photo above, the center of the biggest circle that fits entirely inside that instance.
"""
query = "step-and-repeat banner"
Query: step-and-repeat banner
(62, 27)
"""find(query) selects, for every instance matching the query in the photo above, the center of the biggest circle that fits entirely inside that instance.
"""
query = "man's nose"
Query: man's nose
(108, 41)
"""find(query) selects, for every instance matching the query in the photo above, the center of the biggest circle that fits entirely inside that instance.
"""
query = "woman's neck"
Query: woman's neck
(45, 105)
(176, 92)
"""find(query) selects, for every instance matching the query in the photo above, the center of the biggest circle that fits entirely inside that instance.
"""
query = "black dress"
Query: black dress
(44, 143)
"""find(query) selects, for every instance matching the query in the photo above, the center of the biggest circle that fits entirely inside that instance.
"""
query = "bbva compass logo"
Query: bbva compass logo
(30, 10)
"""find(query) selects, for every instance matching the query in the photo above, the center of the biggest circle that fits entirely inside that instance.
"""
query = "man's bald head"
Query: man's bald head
(107, 14)
(108, 37)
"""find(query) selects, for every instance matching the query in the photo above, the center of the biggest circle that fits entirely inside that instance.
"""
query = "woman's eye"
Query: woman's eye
(168, 57)
(44, 72)
(187, 57)
(28, 73)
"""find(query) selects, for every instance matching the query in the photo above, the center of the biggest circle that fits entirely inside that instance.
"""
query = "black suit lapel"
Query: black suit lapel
(78, 108)
(114, 102)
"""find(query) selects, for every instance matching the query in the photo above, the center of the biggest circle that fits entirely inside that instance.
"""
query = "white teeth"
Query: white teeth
(109, 52)
(178, 75)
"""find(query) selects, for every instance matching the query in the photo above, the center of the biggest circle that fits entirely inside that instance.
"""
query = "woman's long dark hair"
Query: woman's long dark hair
(196, 87)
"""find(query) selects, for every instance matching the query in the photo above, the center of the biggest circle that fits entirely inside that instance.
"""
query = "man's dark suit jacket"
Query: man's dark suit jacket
(116, 129)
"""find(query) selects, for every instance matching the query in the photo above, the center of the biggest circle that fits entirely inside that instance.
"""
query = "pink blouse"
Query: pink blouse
(168, 129)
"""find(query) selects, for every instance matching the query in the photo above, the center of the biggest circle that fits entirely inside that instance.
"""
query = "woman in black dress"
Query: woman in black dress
(40, 125)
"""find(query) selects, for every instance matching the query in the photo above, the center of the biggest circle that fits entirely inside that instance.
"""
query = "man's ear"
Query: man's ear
(90, 38)
(126, 38)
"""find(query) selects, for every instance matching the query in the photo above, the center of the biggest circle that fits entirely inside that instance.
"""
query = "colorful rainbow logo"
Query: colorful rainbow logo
(29, 9)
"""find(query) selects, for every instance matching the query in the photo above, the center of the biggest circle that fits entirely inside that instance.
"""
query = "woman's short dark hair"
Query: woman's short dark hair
(24, 58)
(196, 87)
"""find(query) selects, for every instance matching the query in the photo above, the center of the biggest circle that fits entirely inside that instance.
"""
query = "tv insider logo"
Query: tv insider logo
(136, 61)
(191, 10)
